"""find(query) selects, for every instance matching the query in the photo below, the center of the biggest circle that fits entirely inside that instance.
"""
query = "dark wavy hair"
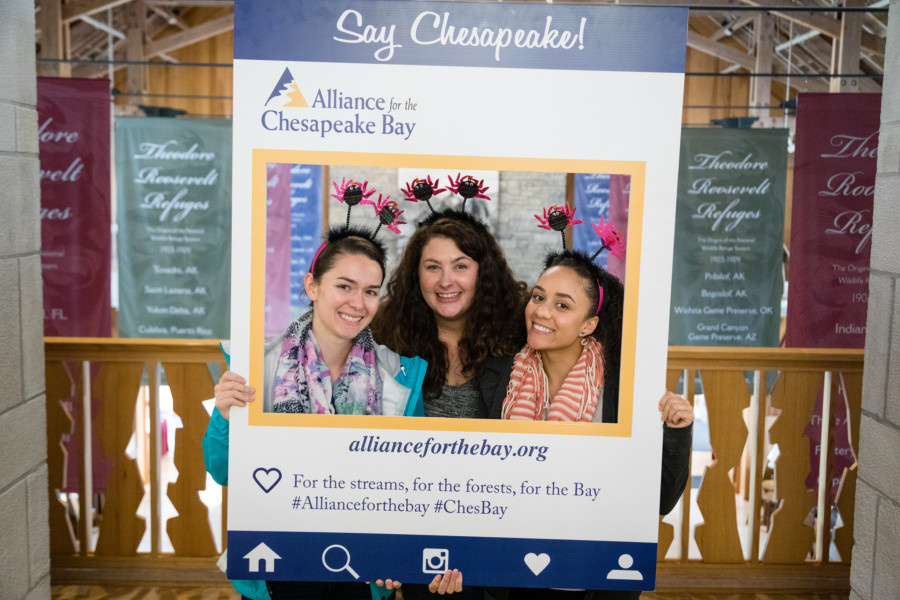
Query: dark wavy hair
(609, 330)
(347, 240)
(494, 322)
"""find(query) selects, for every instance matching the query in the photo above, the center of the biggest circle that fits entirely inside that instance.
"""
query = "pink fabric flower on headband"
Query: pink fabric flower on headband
(388, 213)
(611, 239)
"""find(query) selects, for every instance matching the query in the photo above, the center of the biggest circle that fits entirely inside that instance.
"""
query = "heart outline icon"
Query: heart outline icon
(537, 562)
(266, 477)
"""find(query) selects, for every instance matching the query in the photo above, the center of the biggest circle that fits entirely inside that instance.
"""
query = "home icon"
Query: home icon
(259, 554)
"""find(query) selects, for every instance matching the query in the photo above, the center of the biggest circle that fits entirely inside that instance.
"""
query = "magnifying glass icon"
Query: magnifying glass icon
(345, 567)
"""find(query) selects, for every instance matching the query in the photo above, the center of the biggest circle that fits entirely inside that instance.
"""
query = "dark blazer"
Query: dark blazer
(676, 451)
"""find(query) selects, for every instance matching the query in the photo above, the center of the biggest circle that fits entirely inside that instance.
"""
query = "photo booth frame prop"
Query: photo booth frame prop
(365, 83)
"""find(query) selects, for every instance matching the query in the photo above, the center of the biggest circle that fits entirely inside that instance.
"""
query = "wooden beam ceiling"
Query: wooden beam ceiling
(189, 36)
(720, 50)
(724, 29)
(80, 8)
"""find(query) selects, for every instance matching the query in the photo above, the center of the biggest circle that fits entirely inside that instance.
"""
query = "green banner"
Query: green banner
(729, 229)
(174, 218)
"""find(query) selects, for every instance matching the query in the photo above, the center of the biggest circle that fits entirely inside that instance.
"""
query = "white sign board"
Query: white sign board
(445, 88)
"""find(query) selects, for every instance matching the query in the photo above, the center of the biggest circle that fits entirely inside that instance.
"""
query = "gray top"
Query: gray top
(456, 402)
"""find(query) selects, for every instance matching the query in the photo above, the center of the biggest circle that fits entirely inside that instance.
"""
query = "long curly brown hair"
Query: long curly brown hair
(494, 323)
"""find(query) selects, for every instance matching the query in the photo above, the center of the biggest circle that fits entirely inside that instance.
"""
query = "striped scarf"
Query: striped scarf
(581, 394)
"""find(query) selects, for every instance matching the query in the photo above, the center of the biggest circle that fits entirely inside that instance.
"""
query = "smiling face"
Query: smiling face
(345, 297)
(447, 279)
(557, 313)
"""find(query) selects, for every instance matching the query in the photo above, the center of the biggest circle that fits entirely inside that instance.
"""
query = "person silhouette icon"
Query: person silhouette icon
(625, 572)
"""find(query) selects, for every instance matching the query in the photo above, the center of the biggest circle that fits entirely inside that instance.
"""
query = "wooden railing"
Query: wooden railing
(793, 548)
(108, 391)
(97, 534)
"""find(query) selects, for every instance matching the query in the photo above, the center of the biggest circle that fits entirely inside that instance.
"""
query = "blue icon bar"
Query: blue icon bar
(287, 556)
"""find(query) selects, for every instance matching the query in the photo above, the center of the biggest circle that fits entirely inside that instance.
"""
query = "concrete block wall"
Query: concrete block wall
(521, 196)
(876, 551)
(25, 551)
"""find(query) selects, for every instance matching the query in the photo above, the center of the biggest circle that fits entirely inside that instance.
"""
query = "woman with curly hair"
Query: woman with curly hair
(453, 300)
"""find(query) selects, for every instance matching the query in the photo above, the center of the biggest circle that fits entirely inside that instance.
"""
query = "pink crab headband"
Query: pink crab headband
(312, 265)
(559, 218)
(351, 193)
(464, 186)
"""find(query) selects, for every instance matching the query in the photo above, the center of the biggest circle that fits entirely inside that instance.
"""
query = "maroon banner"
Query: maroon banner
(843, 458)
(278, 249)
(831, 219)
(73, 121)
(619, 195)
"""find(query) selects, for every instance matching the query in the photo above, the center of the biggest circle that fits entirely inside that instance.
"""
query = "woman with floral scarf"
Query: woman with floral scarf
(327, 363)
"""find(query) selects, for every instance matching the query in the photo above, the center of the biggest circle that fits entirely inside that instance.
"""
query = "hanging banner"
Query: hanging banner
(602, 196)
(843, 458)
(306, 227)
(619, 191)
(278, 248)
(591, 192)
(76, 242)
(174, 180)
(831, 219)
(426, 87)
(729, 224)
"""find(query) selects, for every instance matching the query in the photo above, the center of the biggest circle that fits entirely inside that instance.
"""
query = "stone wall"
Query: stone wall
(24, 553)
(876, 552)
(521, 195)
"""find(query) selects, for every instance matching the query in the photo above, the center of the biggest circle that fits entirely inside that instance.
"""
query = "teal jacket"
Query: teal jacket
(401, 378)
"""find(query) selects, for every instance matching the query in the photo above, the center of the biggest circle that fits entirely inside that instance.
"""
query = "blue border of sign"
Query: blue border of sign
(601, 38)
(569, 563)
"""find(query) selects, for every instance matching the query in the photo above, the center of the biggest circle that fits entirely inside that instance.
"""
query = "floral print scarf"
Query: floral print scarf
(303, 382)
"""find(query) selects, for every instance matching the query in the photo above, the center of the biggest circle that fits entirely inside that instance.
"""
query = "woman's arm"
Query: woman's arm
(230, 391)
(215, 448)
(678, 416)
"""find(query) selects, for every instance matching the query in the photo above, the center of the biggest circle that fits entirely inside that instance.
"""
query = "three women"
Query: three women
(454, 301)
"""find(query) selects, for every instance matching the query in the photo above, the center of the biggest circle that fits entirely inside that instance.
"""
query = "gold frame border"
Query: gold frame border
(636, 169)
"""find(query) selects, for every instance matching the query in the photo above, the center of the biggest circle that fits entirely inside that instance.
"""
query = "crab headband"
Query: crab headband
(425, 189)
(559, 218)
(610, 239)
(351, 193)
(312, 265)
(337, 235)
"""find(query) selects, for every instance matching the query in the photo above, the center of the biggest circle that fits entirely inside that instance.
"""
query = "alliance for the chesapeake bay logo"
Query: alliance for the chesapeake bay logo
(348, 112)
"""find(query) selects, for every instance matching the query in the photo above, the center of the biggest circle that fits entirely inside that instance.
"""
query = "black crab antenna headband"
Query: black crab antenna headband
(559, 218)
(351, 193)
(464, 185)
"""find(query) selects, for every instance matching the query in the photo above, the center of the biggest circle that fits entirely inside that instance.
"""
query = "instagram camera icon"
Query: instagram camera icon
(435, 560)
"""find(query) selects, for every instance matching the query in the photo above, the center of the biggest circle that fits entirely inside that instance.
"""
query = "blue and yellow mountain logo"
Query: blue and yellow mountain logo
(287, 93)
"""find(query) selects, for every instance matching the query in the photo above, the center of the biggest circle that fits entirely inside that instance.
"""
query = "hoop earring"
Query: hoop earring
(584, 341)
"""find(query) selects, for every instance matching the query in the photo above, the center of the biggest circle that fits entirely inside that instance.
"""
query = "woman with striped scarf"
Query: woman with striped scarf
(569, 371)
